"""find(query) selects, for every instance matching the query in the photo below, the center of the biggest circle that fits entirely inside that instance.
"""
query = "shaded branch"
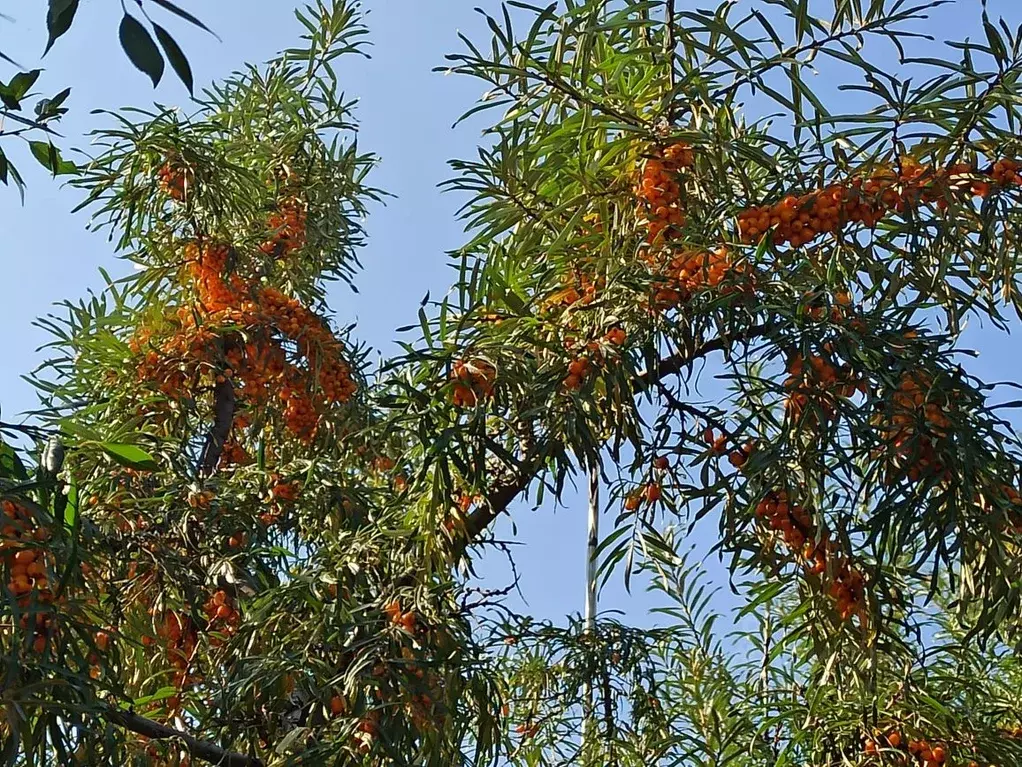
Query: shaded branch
(223, 409)
(199, 749)
(498, 501)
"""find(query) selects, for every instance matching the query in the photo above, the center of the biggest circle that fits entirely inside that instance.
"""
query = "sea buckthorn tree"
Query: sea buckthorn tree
(734, 308)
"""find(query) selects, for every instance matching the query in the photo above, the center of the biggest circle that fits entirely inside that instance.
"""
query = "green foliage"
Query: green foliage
(655, 285)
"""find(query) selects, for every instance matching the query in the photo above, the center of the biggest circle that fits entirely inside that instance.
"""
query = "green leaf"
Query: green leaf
(58, 20)
(71, 509)
(22, 81)
(129, 455)
(15, 90)
(175, 56)
(48, 109)
(142, 51)
(11, 466)
(184, 15)
(49, 157)
(73, 523)
(162, 694)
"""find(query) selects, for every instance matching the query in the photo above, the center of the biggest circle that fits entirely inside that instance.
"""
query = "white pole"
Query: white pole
(592, 542)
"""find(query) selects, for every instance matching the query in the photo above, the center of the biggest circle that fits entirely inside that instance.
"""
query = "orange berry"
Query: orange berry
(337, 705)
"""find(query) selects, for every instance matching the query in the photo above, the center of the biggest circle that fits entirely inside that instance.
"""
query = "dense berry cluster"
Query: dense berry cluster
(660, 209)
(797, 220)
(175, 180)
(915, 751)
(684, 273)
(818, 554)
(286, 355)
(287, 225)
(818, 381)
(29, 569)
(918, 421)
(473, 380)
(678, 272)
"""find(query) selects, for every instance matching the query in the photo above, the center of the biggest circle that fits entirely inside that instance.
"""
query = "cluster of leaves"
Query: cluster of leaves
(136, 41)
(31, 127)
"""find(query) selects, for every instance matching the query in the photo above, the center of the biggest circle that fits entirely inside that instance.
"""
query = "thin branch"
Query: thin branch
(199, 749)
(498, 501)
(670, 46)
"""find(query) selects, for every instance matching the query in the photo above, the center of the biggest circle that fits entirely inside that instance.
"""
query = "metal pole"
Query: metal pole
(592, 543)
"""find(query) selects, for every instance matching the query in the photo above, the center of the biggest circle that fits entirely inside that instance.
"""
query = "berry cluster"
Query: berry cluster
(29, 568)
(660, 212)
(616, 336)
(281, 493)
(718, 445)
(179, 638)
(206, 266)
(649, 493)
(221, 615)
(918, 421)
(588, 356)
(288, 227)
(581, 290)
(307, 380)
(819, 557)
(175, 180)
(406, 620)
(921, 752)
(687, 272)
(660, 209)
(473, 380)
(818, 381)
(578, 370)
(797, 220)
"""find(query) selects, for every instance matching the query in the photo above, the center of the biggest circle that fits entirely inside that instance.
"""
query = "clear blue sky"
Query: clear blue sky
(406, 112)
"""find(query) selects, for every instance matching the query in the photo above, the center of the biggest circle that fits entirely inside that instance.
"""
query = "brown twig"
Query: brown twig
(198, 749)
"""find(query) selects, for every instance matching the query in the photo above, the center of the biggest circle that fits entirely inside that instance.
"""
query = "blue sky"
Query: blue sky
(405, 111)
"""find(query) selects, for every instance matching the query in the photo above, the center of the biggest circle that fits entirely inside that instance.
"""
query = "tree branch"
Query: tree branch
(223, 410)
(679, 361)
(498, 501)
(199, 749)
